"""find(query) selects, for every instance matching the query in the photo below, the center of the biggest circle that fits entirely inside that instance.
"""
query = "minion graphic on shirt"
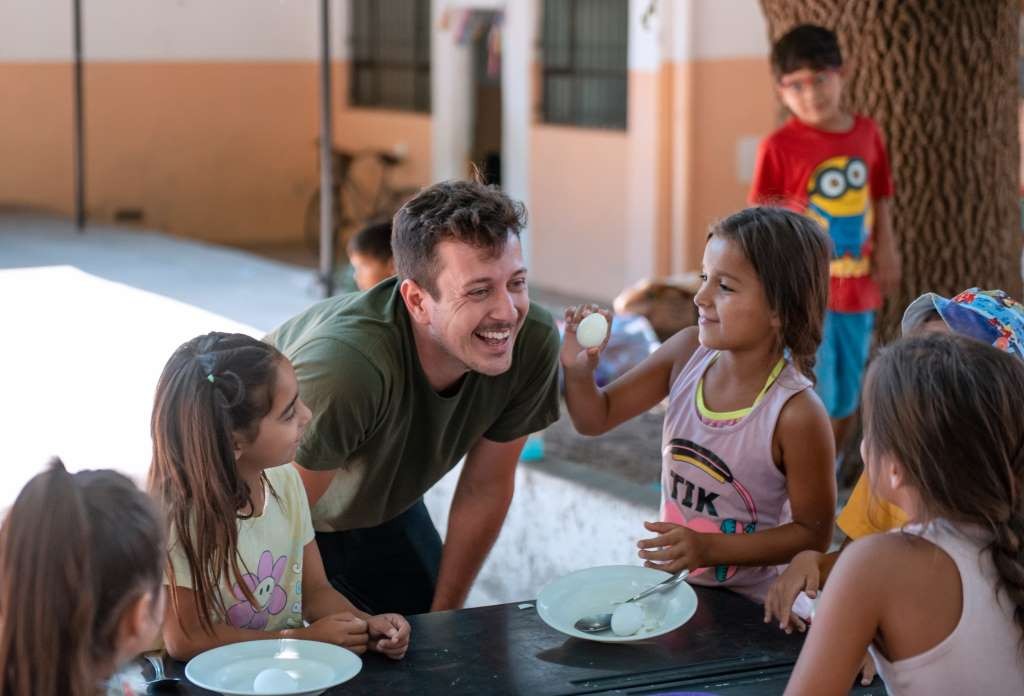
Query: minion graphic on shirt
(838, 199)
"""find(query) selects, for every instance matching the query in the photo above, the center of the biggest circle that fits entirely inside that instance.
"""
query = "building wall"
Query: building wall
(578, 219)
(204, 116)
(735, 109)
(201, 115)
(722, 104)
(629, 204)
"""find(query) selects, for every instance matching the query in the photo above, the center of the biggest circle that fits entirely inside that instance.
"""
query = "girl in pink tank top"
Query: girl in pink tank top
(939, 604)
(747, 448)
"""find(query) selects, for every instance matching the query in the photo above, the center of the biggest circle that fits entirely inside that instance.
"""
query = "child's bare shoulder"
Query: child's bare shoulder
(900, 553)
(685, 342)
(802, 412)
(680, 348)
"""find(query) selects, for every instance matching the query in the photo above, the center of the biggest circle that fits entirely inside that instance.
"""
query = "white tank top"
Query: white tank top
(982, 656)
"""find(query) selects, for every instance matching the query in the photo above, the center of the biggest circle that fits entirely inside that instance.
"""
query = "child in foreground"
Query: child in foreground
(940, 603)
(747, 449)
(80, 582)
(242, 563)
(990, 316)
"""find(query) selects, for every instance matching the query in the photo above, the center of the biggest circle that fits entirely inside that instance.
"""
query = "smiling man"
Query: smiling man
(449, 359)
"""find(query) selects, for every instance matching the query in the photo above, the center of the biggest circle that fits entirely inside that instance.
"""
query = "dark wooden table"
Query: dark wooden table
(725, 649)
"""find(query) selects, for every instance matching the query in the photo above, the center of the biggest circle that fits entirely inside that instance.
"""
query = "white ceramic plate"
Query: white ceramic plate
(232, 669)
(567, 599)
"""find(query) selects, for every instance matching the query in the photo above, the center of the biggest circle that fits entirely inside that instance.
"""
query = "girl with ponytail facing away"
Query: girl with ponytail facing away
(939, 604)
(80, 582)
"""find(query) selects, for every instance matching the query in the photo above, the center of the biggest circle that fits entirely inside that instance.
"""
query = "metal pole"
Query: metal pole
(326, 145)
(79, 144)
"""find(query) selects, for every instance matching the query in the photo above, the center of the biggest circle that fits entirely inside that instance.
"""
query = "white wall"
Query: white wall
(451, 96)
(645, 147)
(709, 29)
(518, 53)
(169, 30)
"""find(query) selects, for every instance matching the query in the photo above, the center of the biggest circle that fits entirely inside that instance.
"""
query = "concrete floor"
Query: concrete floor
(89, 320)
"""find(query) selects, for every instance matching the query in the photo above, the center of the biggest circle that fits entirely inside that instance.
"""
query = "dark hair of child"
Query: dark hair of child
(76, 551)
(373, 241)
(805, 46)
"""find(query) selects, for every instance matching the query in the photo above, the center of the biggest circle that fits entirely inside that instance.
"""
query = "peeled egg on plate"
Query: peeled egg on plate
(274, 681)
(627, 619)
(592, 330)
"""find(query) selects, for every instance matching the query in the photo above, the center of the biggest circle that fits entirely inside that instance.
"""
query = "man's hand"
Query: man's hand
(675, 547)
(342, 629)
(389, 635)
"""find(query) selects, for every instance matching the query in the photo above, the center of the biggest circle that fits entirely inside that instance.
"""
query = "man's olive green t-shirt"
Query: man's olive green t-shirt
(377, 421)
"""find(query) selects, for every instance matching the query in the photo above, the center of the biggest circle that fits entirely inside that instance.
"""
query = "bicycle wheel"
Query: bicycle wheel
(311, 224)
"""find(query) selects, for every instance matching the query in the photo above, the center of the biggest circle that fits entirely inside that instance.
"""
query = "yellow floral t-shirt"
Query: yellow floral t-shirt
(270, 557)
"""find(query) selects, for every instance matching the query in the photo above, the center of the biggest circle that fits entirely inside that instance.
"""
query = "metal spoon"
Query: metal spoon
(159, 680)
(596, 623)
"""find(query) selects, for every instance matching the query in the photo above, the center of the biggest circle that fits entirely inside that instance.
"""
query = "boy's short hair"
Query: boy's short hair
(373, 241)
(806, 46)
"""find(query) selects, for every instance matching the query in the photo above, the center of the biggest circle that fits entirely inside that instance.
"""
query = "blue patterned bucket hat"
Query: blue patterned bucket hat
(991, 316)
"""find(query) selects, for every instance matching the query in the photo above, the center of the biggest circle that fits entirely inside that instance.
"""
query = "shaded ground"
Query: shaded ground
(632, 451)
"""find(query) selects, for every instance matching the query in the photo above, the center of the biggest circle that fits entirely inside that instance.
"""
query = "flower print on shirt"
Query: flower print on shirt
(266, 589)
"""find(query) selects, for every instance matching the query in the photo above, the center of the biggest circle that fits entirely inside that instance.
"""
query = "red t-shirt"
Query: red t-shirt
(832, 178)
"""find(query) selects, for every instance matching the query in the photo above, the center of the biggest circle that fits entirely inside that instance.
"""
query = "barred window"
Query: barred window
(584, 44)
(390, 66)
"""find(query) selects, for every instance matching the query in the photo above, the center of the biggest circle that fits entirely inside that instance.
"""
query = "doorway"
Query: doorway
(485, 148)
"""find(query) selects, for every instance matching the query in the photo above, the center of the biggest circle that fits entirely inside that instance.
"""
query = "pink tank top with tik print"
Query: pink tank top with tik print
(723, 479)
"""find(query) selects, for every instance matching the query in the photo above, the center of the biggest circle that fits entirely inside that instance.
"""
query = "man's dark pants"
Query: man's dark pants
(388, 568)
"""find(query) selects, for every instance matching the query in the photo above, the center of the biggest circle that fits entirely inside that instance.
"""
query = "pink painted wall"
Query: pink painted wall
(221, 151)
(578, 210)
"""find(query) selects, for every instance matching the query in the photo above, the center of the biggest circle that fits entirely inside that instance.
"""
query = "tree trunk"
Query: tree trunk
(940, 79)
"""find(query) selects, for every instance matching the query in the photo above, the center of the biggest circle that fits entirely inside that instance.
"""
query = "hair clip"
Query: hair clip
(210, 377)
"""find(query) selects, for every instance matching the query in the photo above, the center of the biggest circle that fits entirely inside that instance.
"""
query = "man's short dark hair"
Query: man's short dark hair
(806, 46)
(373, 241)
(462, 211)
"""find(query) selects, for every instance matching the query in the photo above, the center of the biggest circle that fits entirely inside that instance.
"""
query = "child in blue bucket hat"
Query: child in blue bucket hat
(991, 316)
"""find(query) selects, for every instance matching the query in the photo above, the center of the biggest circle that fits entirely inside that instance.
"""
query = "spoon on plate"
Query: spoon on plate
(159, 682)
(602, 622)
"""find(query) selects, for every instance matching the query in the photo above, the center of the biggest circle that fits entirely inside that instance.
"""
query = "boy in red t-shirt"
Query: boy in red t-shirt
(832, 166)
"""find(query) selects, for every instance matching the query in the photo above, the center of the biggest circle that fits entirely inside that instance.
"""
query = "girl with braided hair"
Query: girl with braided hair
(939, 603)
(242, 563)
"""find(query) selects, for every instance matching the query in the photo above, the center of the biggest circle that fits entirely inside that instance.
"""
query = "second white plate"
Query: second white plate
(565, 600)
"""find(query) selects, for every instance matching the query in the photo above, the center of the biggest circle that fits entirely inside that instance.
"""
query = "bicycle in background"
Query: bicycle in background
(363, 193)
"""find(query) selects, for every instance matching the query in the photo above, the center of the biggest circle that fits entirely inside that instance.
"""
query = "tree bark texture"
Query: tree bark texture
(940, 79)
